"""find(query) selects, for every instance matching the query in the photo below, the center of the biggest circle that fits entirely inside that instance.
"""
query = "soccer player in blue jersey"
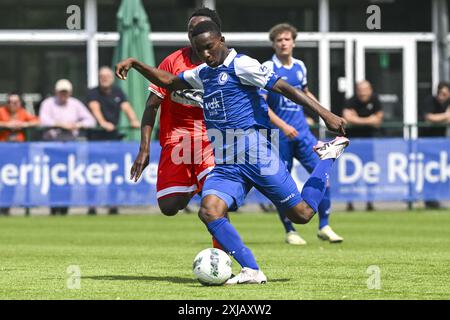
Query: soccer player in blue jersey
(296, 139)
(233, 107)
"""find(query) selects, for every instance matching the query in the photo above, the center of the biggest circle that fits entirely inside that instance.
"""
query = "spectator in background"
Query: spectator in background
(363, 110)
(15, 118)
(65, 112)
(436, 110)
(106, 102)
(68, 115)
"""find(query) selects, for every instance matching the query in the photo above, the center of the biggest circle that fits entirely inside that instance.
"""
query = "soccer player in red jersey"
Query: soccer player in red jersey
(181, 120)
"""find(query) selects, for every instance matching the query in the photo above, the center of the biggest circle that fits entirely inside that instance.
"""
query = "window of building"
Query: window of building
(163, 15)
(31, 14)
(34, 70)
(261, 15)
(396, 15)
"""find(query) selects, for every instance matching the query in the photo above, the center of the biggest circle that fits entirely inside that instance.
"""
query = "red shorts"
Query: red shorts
(187, 176)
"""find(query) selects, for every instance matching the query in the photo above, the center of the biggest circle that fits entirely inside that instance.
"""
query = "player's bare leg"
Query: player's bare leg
(170, 205)
(212, 208)
(301, 213)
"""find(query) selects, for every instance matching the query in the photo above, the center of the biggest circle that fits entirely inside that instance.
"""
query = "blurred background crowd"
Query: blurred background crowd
(57, 83)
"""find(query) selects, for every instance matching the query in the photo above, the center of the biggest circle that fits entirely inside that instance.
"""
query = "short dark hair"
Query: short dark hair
(206, 26)
(442, 85)
(280, 28)
(14, 93)
(207, 12)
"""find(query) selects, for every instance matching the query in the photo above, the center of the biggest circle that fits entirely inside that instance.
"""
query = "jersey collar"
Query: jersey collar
(231, 55)
(279, 64)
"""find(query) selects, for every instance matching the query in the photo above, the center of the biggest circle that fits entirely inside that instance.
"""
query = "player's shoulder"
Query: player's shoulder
(243, 58)
(299, 63)
(243, 62)
(269, 64)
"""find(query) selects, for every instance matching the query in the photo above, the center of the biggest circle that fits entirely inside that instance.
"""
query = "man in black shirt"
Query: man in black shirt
(437, 111)
(363, 110)
(106, 102)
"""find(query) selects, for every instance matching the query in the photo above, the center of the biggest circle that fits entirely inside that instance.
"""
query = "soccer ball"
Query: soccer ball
(212, 267)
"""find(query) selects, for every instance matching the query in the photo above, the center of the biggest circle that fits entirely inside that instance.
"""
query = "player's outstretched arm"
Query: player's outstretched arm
(332, 121)
(148, 121)
(159, 77)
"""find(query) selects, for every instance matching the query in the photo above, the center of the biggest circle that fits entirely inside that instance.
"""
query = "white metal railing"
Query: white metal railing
(180, 38)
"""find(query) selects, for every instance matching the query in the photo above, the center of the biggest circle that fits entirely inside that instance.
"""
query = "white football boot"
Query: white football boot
(331, 149)
(292, 237)
(327, 234)
(248, 276)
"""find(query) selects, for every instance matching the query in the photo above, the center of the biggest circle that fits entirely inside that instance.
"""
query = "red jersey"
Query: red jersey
(179, 109)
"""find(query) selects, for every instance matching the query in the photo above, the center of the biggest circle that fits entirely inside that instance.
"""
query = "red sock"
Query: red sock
(216, 244)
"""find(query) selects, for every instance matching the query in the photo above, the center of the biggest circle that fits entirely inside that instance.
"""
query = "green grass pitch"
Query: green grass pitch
(150, 257)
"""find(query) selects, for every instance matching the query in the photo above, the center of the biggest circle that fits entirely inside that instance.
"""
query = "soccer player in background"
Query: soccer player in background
(232, 104)
(181, 114)
(296, 138)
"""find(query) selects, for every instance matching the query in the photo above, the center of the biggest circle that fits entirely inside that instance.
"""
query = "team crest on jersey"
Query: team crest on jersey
(300, 76)
(223, 78)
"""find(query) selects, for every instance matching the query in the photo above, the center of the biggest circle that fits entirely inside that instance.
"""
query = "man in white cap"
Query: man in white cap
(66, 115)
(66, 112)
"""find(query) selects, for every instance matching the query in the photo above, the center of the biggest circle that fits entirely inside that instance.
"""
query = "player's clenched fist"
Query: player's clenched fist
(122, 68)
(335, 123)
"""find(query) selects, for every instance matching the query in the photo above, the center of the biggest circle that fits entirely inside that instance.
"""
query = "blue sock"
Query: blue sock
(314, 188)
(324, 209)
(232, 243)
(288, 225)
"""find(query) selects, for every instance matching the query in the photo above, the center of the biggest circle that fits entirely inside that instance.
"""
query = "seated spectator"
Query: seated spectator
(436, 111)
(364, 111)
(65, 112)
(107, 101)
(15, 118)
(68, 115)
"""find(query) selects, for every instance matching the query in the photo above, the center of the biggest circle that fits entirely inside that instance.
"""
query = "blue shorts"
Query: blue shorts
(300, 148)
(232, 182)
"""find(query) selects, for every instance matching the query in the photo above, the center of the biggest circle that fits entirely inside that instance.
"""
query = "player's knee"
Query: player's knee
(300, 215)
(298, 218)
(206, 214)
(209, 213)
(168, 208)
